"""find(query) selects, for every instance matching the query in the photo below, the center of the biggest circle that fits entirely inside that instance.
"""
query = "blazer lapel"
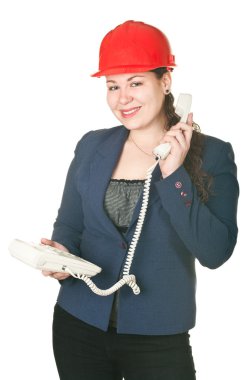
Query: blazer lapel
(101, 169)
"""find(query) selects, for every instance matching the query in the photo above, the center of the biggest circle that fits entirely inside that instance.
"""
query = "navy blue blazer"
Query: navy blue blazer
(178, 229)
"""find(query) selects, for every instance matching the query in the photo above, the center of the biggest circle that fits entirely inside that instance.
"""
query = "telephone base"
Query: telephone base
(45, 257)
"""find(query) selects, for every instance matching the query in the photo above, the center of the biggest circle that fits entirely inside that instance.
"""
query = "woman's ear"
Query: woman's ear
(166, 82)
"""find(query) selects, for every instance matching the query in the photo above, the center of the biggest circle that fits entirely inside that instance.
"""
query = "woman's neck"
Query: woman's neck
(147, 137)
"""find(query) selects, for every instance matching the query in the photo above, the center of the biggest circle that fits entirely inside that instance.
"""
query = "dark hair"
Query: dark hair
(193, 161)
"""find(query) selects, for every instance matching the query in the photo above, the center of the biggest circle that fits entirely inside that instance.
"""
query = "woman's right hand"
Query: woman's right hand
(56, 275)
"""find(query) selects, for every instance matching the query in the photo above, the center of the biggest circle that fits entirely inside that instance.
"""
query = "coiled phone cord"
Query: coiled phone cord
(127, 279)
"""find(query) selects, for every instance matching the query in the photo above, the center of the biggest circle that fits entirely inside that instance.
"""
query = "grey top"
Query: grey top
(120, 201)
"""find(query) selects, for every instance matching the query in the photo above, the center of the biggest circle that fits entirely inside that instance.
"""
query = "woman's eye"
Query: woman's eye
(136, 84)
(113, 88)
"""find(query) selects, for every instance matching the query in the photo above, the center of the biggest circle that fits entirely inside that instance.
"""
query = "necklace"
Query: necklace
(147, 153)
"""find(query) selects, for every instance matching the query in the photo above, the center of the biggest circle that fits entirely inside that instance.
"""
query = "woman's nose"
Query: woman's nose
(125, 97)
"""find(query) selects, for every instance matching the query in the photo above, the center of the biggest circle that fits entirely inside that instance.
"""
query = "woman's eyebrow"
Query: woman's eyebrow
(135, 76)
(128, 80)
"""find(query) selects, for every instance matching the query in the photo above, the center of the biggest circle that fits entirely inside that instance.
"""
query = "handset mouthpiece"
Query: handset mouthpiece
(161, 151)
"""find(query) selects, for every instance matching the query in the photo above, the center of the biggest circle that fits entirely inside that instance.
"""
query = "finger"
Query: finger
(54, 244)
(181, 126)
(181, 139)
(190, 119)
(185, 128)
(46, 241)
(179, 136)
(171, 140)
(55, 275)
(47, 273)
(60, 276)
(188, 132)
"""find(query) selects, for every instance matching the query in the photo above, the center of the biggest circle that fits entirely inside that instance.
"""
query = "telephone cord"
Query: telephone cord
(127, 279)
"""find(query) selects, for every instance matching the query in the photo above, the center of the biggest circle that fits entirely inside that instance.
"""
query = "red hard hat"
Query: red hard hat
(134, 47)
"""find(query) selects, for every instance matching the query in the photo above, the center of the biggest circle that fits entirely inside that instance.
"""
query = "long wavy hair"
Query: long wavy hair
(193, 161)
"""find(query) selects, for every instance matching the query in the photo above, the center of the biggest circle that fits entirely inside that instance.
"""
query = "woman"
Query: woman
(191, 215)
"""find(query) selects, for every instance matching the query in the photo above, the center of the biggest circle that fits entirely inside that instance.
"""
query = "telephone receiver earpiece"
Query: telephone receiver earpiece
(182, 109)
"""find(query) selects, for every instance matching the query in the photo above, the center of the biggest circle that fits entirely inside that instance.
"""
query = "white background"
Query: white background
(48, 101)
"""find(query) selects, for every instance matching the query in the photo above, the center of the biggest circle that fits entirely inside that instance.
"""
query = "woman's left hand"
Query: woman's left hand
(57, 275)
(179, 136)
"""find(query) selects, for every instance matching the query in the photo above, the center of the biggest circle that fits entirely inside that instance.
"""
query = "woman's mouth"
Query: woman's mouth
(130, 112)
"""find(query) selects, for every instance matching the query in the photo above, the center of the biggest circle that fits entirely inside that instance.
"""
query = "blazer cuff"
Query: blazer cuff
(176, 190)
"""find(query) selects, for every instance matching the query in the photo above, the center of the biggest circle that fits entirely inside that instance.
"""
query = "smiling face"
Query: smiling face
(137, 99)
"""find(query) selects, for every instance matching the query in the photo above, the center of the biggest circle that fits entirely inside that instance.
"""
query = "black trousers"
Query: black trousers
(83, 352)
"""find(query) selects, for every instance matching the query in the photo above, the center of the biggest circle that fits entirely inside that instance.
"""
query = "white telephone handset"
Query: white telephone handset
(182, 109)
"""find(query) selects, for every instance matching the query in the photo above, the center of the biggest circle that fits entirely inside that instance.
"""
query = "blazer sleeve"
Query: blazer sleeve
(68, 226)
(209, 231)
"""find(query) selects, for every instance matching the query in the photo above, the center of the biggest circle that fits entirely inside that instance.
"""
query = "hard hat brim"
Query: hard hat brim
(129, 69)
